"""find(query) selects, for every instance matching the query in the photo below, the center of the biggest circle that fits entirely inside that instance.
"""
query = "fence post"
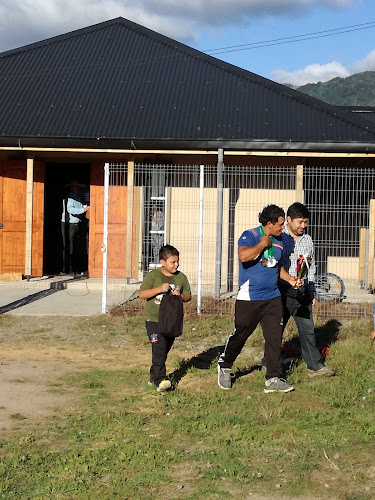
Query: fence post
(362, 257)
(129, 221)
(200, 238)
(105, 238)
(219, 224)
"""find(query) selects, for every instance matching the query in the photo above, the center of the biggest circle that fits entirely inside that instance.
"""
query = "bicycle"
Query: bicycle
(329, 287)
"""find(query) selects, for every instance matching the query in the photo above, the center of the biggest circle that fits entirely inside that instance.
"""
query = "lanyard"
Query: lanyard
(269, 251)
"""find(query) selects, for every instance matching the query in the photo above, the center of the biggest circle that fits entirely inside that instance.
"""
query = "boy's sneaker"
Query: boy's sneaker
(224, 377)
(276, 384)
(164, 385)
(322, 372)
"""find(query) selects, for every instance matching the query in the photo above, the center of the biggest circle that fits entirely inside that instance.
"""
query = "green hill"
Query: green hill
(355, 90)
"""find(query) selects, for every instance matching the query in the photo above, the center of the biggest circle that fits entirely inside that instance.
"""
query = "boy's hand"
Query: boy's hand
(164, 288)
(176, 290)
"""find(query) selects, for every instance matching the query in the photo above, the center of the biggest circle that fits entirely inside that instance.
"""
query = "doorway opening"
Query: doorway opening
(56, 187)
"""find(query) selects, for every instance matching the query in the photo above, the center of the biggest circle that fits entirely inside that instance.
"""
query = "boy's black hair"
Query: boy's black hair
(271, 213)
(297, 210)
(168, 251)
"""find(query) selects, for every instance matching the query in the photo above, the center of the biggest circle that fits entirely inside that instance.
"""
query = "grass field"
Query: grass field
(119, 438)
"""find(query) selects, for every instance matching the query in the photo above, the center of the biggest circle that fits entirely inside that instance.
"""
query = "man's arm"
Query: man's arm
(292, 280)
(75, 207)
(246, 254)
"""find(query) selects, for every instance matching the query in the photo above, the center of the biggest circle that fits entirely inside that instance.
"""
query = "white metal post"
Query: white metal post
(105, 238)
(200, 239)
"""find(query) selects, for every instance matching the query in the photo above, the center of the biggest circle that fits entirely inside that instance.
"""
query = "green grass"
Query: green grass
(126, 440)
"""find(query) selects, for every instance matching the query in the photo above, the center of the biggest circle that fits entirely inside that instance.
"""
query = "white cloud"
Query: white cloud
(313, 73)
(27, 21)
(366, 64)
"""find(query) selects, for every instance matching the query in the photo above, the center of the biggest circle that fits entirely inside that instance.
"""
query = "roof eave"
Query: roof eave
(185, 144)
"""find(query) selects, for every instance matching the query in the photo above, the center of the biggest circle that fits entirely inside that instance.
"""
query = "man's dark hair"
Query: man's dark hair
(271, 213)
(168, 251)
(298, 210)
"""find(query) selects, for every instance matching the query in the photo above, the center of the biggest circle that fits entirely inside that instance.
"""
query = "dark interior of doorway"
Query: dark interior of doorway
(57, 178)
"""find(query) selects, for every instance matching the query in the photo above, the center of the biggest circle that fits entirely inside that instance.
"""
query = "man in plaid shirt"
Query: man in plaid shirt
(298, 302)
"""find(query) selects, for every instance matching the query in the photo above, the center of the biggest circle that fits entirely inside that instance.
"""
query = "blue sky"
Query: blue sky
(213, 24)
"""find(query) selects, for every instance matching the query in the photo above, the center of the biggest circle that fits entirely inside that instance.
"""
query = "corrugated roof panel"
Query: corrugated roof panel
(120, 80)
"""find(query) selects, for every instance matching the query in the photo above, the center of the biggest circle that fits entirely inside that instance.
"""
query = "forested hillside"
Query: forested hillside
(355, 90)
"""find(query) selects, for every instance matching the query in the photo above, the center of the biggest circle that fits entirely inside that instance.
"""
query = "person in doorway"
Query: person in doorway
(258, 299)
(154, 286)
(74, 229)
(298, 302)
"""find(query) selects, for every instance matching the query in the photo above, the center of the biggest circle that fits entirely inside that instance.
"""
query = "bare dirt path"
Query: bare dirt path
(35, 353)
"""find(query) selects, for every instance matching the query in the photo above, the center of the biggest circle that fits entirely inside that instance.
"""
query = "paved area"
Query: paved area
(66, 296)
(62, 296)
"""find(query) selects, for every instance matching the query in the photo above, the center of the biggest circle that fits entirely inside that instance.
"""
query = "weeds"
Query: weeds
(124, 439)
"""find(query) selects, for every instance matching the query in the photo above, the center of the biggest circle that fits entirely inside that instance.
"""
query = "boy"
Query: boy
(155, 284)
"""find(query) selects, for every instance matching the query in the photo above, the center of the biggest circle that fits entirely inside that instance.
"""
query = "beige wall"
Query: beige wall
(184, 231)
(345, 267)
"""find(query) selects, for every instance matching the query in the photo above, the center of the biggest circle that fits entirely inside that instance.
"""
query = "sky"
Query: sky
(289, 41)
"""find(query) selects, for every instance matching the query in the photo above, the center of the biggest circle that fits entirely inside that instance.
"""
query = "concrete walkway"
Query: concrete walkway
(62, 296)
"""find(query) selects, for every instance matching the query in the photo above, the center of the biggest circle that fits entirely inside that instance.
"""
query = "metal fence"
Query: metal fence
(203, 209)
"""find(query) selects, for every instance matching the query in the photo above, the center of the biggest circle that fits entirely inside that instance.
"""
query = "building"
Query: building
(119, 93)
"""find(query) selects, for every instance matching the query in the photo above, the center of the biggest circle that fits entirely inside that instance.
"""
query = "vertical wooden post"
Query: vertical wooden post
(29, 215)
(362, 255)
(129, 221)
(299, 183)
(137, 231)
(371, 244)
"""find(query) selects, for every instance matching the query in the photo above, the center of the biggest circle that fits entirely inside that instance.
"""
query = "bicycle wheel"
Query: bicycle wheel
(329, 287)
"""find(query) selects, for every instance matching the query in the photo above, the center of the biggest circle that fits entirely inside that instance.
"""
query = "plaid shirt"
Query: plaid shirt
(292, 251)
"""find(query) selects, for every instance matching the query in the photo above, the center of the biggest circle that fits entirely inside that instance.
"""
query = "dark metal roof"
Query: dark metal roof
(364, 112)
(117, 82)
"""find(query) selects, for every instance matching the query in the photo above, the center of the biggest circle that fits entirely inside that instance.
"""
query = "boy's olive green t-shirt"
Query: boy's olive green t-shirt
(156, 278)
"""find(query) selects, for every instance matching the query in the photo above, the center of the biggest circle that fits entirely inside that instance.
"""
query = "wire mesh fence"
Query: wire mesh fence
(202, 211)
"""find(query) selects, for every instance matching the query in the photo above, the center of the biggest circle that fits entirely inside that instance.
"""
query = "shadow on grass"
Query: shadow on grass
(325, 335)
(202, 361)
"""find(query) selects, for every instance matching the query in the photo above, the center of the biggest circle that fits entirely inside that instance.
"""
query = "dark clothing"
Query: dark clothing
(160, 346)
(74, 247)
(300, 308)
(247, 316)
(298, 303)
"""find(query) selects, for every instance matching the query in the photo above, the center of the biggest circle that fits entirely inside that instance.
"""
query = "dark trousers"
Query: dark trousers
(301, 310)
(160, 347)
(74, 247)
(248, 314)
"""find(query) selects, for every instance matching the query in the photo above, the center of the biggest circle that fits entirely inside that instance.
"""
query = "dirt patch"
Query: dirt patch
(28, 393)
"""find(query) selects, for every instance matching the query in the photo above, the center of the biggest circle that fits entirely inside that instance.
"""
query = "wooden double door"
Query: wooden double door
(13, 193)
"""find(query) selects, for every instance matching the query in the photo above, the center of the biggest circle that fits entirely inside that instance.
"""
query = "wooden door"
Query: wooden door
(13, 217)
(117, 226)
